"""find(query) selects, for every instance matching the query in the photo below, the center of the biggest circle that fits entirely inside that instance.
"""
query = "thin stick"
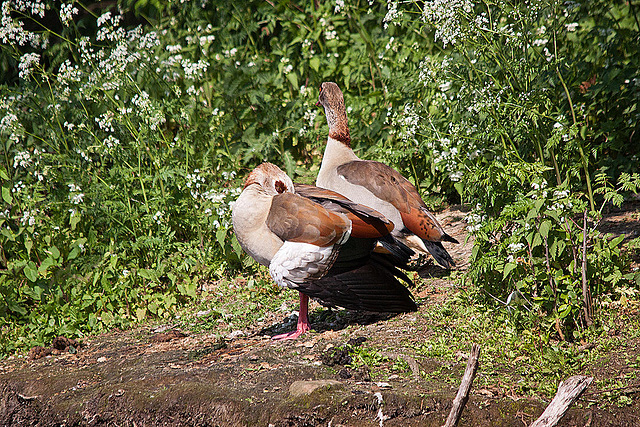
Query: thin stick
(568, 391)
(465, 387)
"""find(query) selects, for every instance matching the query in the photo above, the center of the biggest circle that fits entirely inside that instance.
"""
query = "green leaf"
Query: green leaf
(544, 228)
(289, 163)
(74, 253)
(141, 313)
(6, 195)
(459, 186)
(508, 268)
(293, 78)
(221, 236)
(8, 233)
(28, 244)
(315, 63)
(31, 271)
(615, 242)
(48, 262)
(55, 252)
(74, 220)
(236, 246)
(3, 172)
(537, 240)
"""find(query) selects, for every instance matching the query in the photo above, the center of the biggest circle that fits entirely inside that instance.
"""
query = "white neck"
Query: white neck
(336, 154)
(249, 223)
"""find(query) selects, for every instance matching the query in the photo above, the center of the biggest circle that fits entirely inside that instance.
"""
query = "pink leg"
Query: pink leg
(303, 321)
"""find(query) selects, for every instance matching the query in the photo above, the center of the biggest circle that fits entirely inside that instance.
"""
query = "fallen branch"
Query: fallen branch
(568, 391)
(465, 386)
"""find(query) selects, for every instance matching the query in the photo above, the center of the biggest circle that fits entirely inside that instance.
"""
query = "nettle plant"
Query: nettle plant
(515, 94)
(543, 256)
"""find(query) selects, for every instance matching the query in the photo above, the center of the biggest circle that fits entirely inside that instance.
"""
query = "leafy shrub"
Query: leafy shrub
(514, 95)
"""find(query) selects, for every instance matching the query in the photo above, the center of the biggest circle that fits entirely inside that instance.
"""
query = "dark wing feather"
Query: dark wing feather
(366, 222)
(297, 219)
(373, 286)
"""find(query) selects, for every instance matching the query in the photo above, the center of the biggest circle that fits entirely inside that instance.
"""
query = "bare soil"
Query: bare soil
(159, 376)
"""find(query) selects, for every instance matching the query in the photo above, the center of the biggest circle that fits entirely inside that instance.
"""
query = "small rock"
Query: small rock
(383, 384)
(235, 334)
(305, 388)
(102, 359)
(394, 377)
(161, 328)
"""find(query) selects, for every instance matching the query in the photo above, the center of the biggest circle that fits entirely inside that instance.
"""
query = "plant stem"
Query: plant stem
(586, 292)
(585, 162)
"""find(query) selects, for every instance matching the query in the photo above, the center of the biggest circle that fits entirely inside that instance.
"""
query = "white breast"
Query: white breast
(297, 262)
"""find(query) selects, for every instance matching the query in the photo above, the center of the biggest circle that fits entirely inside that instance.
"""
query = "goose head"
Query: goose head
(270, 179)
(332, 100)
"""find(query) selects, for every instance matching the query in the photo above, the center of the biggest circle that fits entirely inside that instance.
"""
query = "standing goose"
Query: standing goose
(377, 185)
(323, 250)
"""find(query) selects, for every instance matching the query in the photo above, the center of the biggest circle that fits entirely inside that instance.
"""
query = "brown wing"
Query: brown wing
(383, 181)
(389, 185)
(297, 219)
(365, 221)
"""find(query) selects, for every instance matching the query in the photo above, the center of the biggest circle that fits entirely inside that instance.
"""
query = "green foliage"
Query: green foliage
(518, 95)
(531, 254)
(125, 135)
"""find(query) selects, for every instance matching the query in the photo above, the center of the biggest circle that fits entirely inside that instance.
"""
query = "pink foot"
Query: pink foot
(303, 321)
(291, 335)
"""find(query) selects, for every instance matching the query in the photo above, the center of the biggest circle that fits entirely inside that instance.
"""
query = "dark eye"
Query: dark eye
(280, 187)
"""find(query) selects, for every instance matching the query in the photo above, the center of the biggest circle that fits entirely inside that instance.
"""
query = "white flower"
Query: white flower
(173, 48)
(392, 14)
(27, 62)
(515, 247)
(456, 176)
(28, 218)
(445, 86)
(572, 27)
(66, 13)
(76, 199)
(104, 18)
(339, 6)
(157, 217)
(444, 15)
(22, 159)
(330, 34)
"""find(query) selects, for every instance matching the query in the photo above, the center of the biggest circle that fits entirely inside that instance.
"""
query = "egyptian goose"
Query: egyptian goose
(323, 250)
(377, 185)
